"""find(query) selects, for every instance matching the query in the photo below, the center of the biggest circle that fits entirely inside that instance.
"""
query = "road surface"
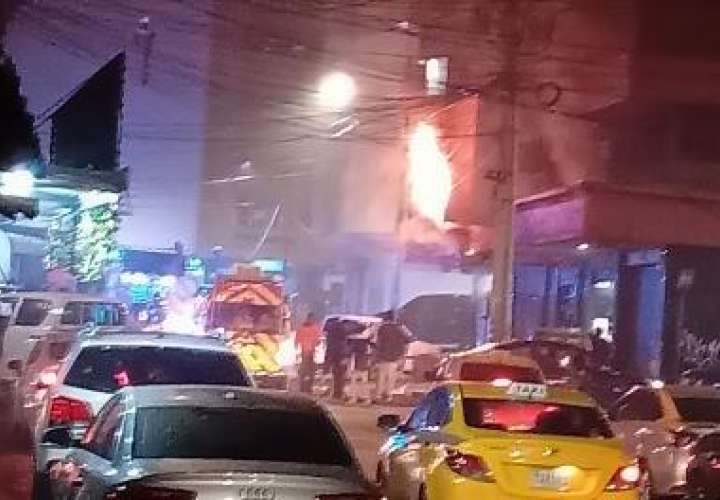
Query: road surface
(358, 422)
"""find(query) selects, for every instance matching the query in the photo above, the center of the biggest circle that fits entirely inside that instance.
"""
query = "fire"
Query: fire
(429, 174)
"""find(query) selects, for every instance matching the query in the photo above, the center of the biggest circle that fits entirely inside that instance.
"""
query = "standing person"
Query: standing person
(306, 339)
(359, 349)
(390, 348)
(336, 353)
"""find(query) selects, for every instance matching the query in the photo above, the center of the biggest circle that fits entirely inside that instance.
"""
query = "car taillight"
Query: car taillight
(468, 465)
(625, 478)
(682, 438)
(135, 491)
(69, 411)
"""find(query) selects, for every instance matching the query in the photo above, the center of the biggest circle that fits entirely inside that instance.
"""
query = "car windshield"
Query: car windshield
(109, 368)
(699, 409)
(535, 418)
(239, 316)
(98, 313)
(257, 434)
(557, 361)
(484, 372)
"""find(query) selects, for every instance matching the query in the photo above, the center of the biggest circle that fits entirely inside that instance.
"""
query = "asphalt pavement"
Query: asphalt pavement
(358, 422)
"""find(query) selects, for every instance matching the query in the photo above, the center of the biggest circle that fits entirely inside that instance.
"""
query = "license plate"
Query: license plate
(549, 479)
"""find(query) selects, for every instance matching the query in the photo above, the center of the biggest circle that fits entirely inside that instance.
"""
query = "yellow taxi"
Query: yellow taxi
(506, 440)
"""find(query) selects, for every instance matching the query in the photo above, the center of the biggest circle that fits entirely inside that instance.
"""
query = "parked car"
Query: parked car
(664, 426)
(11, 415)
(40, 372)
(560, 362)
(30, 316)
(482, 365)
(185, 442)
(569, 336)
(100, 365)
(513, 440)
(703, 471)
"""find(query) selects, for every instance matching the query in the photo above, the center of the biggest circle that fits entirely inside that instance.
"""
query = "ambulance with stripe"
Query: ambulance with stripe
(249, 308)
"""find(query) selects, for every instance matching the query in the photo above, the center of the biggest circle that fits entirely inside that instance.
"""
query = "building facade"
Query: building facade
(610, 109)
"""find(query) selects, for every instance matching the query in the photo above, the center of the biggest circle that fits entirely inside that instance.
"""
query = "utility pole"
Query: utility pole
(501, 305)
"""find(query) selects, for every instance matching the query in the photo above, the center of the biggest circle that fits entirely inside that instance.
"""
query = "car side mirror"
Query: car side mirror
(388, 422)
(15, 366)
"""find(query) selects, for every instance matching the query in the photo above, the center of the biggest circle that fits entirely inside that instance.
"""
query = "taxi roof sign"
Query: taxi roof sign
(520, 390)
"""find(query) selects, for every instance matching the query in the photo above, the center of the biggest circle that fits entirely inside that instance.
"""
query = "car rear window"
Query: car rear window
(535, 418)
(109, 368)
(699, 409)
(484, 372)
(253, 434)
(32, 312)
(97, 313)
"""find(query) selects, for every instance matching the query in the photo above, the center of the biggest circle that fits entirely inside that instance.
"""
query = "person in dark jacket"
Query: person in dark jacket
(359, 350)
(336, 354)
(390, 349)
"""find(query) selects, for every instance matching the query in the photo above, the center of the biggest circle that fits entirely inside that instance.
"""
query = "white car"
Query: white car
(482, 365)
(208, 443)
(663, 426)
(100, 365)
(28, 317)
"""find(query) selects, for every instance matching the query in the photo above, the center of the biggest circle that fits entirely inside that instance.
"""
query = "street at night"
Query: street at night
(359, 250)
(358, 422)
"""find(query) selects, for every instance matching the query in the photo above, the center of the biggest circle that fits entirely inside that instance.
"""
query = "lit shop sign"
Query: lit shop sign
(270, 266)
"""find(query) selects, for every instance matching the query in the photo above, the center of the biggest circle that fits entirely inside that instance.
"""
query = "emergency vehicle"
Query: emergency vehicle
(248, 307)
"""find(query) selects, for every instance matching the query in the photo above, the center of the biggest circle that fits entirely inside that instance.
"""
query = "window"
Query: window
(103, 436)
(419, 417)
(440, 410)
(535, 418)
(307, 437)
(641, 404)
(109, 368)
(98, 313)
(7, 306)
(698, 409)
(492, 371)
(436, 75)
(32, 312)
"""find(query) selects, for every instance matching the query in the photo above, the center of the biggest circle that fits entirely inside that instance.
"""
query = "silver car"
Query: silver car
(99, 365)
(208, 443)
(665, 426)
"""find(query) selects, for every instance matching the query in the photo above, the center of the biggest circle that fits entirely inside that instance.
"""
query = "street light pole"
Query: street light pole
(501, 305)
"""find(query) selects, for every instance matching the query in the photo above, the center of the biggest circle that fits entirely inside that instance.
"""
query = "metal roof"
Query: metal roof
(130, 338)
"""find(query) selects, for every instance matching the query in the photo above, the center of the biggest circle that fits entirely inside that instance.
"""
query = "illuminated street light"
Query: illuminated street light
(17, 182)
(336, 91)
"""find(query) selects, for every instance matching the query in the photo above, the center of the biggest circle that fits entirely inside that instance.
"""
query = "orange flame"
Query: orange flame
(429, 174)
